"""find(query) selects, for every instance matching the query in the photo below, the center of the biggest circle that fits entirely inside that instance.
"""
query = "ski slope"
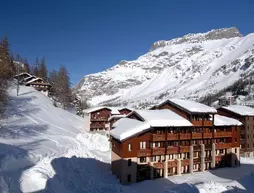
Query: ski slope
(44, 149)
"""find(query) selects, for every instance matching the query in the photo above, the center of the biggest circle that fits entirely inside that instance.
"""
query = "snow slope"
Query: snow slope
(191, 67)
(45, 149)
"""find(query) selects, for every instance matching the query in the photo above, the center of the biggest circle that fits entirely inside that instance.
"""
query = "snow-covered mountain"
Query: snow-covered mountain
(191, 66)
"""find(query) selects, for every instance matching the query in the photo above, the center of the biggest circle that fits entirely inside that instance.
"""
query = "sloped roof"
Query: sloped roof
(240, 110)
(127, 127)
(193, 106)
(220, 120)
(23, 73)
(116, 116)
(114, 110)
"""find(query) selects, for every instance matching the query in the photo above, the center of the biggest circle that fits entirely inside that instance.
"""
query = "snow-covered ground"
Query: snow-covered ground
(47, 149)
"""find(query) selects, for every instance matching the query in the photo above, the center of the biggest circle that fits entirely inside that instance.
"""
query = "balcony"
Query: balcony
(196, 160)
(96, 126)
(185, 136)
(172, 136)
(185, 162)
(223, 145)
(184, 149)
(222, 134)
(158, 165)
(218, 158)
(158, 151)
(196, 135)
(158, 137)
(99, 118)
(172, 164)
(208, 146)
(143, 152)
(208, 123)
(208, 159)
(197, 123)
(171, 150)
(208, 135)
(196, 148)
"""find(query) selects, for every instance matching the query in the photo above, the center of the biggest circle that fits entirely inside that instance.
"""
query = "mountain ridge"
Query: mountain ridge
(172, 68)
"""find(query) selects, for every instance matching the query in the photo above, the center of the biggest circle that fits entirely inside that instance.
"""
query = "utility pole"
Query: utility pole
(17, 87)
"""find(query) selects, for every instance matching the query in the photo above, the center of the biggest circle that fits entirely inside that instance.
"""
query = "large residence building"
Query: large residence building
(246, 116)
(176, 137)
(100, 117)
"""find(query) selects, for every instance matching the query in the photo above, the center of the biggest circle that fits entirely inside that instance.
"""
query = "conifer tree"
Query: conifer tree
(43, 71)
(35, 68)
(27, 66)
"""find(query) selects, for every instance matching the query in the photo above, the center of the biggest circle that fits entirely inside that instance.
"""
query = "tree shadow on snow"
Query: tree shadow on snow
(79, 175)
(14, 161)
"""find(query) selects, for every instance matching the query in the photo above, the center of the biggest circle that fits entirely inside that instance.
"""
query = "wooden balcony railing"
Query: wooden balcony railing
(171, 150)
(208, 159)
(223, 145)
(218, 158)
(185, 136)
(158, 151)
(99, 118)
(158, 137)
(172, 164)
(196, 148)
(196, 135)
(172, 136)
(96, 126)
(159, 165)
(185, 162)
(222, 134)
(196, 160)
(143, 152)
(184, 149)
(208, 123)
(208, 135)
(197, 123)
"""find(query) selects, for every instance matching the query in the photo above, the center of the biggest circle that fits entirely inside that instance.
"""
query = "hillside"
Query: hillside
(44, 149)
(191, 66)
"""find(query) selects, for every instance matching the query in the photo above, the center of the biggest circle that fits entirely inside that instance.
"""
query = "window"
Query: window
(129, 147)
(129, 178)
(142, 145)
(221, 151)
(142, 159)
(152, 158)
(235, 140)
(129, 162)
(235, 150)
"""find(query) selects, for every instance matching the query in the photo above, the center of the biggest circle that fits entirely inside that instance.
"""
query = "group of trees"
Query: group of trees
(11, 65)
(7, 70)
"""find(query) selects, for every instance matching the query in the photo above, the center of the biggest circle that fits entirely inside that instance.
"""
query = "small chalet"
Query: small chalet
(22, 76)
(40, 85)
(102, 117)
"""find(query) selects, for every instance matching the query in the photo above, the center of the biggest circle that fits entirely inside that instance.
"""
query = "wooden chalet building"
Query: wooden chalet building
(158, 143)
(40, 85)
(245, 115)
(22, 76)
(100, 118)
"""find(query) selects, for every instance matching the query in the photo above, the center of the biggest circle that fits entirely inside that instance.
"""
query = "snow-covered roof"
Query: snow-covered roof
(193, 106)
(29, 77)
(225, 121)
(93, 109)
(240, 110)
(129, 108)
(127, 127)
(116, 116)
(33, 80)
(114, 110)
(23, 73)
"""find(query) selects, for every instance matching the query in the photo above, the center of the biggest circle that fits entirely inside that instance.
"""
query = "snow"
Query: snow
(240, 110)
(33, 80)
(23, 74)
(220, 120)
(116, 116)
(193, 106)
(126, 127)
(45, 149)
(114, 110)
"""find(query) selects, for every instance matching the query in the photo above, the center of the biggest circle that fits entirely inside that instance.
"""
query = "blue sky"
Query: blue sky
(90, 36)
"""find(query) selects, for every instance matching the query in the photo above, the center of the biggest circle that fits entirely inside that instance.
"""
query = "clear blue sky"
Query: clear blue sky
(90, 36)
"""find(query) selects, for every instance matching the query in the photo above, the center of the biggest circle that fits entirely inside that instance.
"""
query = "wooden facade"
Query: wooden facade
(246, 130)
(165, 151)
(40, 85)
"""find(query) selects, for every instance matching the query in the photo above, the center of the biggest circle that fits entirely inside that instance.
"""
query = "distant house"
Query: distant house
(40, 85)
(100, 117)
(22, 76)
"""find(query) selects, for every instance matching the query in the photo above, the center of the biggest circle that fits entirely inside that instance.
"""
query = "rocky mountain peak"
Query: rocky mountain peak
(214, 34)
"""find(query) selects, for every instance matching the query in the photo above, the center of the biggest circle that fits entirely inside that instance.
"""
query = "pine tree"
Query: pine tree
(35, 68)
(54, 81)
(64, 91)
(27, 66)
(43, 71)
